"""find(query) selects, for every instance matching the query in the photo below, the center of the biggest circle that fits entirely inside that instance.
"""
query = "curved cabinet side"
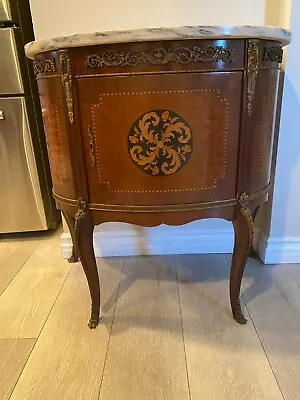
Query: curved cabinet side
(57, 90)
(56, 131)
(258, 115)
(263, 130)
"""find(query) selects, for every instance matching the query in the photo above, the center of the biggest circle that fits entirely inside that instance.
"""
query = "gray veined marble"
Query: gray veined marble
(151, 34)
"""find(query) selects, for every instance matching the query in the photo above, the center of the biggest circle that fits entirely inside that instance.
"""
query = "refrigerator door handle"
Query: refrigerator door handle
(2, 115)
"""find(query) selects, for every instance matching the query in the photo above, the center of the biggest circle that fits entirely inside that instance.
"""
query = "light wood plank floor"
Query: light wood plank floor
(166, 331)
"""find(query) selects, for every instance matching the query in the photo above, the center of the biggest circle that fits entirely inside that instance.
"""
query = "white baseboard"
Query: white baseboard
(189, 240)
(282, 250)
(162, 240)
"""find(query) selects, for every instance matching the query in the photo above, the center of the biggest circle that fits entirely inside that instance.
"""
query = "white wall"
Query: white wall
(283, 244)
(59, 17)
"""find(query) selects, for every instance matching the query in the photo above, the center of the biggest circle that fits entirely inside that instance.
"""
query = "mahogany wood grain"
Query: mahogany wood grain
(56, 131)
(158, 218)
(209, 102)
(84, 244)
(242, 241)
(160, 132)
(70, 220)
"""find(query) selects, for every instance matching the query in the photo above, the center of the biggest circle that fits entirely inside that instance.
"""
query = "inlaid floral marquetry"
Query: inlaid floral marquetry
(160, 142)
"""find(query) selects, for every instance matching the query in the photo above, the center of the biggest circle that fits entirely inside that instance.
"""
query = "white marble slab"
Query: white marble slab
(152, 34)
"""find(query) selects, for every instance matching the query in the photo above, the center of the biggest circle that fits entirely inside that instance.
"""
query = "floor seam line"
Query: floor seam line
(14, 277)
(112, 322)
(182, 330)
(264, 350)
(24, 263)
(21, 372)
(36, 339)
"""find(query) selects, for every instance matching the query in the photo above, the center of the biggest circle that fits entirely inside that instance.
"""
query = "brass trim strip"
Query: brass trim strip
(163, 208)
(153, 72)
(48, 76)
(157, 72)
(255, 195)
(62, 199)
(152, 209)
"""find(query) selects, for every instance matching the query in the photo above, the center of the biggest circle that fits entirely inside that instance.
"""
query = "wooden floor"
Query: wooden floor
(166, 331)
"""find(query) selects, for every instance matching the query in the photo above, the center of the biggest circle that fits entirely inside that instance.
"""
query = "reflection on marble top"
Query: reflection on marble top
(152, 34)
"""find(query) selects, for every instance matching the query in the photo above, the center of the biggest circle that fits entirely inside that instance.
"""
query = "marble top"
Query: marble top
(153, 34)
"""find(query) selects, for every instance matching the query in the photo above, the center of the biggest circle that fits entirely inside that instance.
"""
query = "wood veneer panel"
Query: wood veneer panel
(112, 108)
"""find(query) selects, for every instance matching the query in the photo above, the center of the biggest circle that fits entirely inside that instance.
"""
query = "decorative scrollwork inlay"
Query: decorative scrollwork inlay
(66, 79)
(91, 142)
(274, 53)
(158, 56)
(252, 72)
(160, 142)
(44, 65)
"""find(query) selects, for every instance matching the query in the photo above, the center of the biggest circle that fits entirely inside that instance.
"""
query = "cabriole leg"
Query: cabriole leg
(71, 225)
(84, 243)
(243, 232)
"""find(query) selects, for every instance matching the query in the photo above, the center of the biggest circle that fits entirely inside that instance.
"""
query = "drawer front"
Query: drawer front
(159, 57)
(152, 140)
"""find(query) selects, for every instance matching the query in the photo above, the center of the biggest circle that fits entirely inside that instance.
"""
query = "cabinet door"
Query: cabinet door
(161, 139)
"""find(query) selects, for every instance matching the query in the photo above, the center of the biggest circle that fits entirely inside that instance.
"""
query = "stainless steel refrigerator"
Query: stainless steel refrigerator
(26, 203)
